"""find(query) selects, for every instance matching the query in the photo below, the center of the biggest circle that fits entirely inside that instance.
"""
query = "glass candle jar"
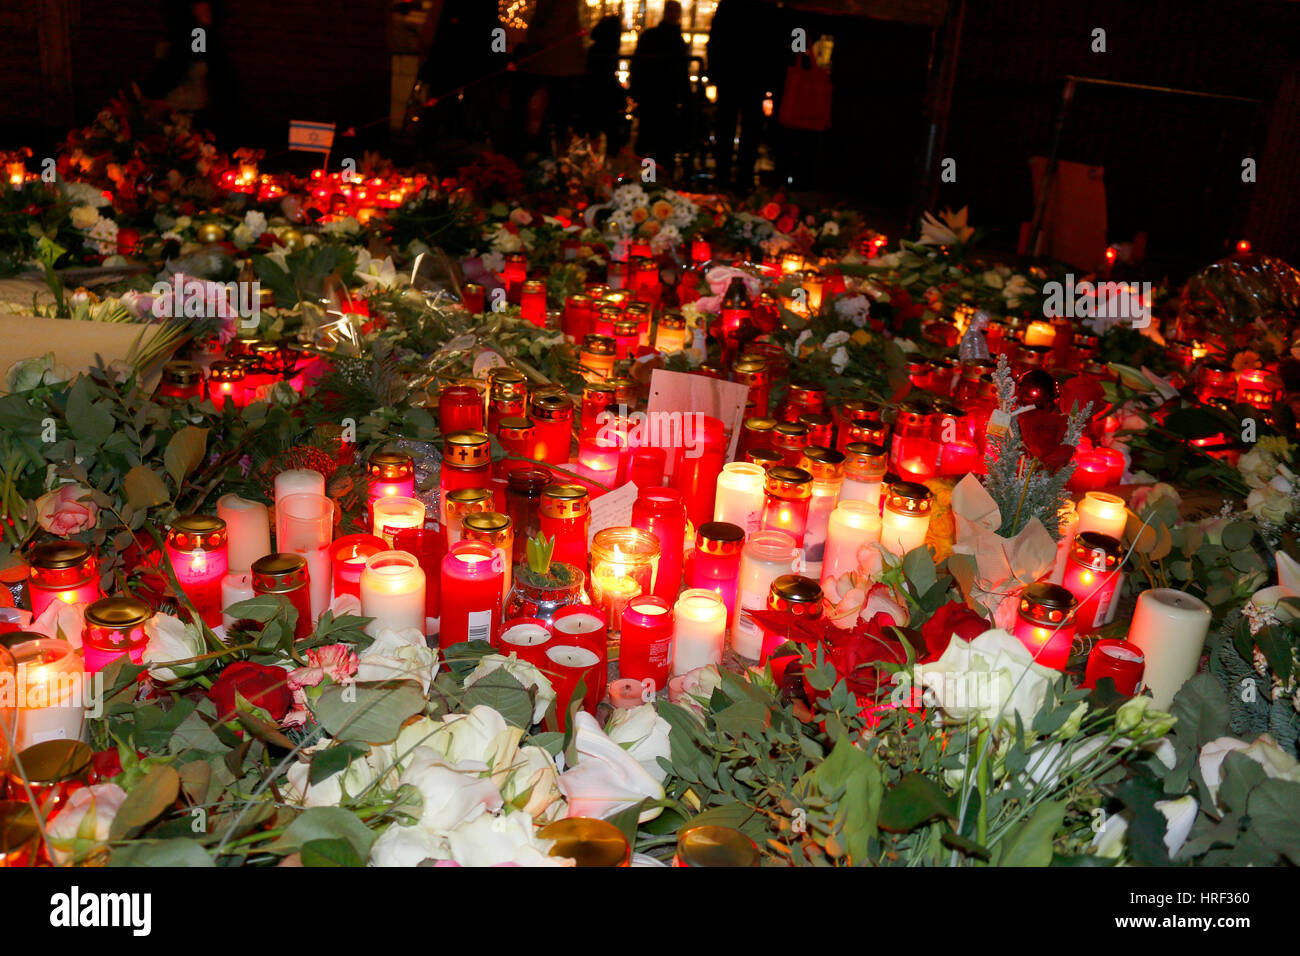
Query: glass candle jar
(864, 473)
(1104, 513)
(517, 437)
(646, 467)
(597, 397)
(739, 499)
(588, 842)
(61, 571)
(765, 556)
(756, 433)
(459, 505)
(624, 562)
(348, 556)
(565, 516)
(788, 494)
(660, 511)
(793, 594)
(515, 273)
(428, 548)
(286, 576)
(507, 397)
(1121, 661)
(1094, 575)
(765, 458)
(803, 397)
(389, 515)
(50, 693)
(827, 469)
(552, 416)
(466, 462)
(906, 517)
(393, 590)
(912, 452)
(114, 627)
(1215, 381)
(576, 320)
(699, 630)
(790, 439)
(474, 298)
(646, 641)
(715, 847)
(226, 381)
(524, 488)
(532, 302)
(853, 527)
(460, 409)
(1257, 388)
(753, 371)
(181, 380)
(197, 550)
(626, 335)
(1045, 623)
(670, 333)
(600, 456)
(715, 565)
(389, 474)
(697, 462)
(495, 529)
(567, 667)
(821, 429)
(304, 525)
(597, 356)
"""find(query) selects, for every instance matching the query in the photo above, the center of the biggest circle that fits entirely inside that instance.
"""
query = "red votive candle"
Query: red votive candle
(226, 381)
(472, 575)
(1121, 661)
(507, 396)
(646, 467)
(1090, 471)
(114, 627)
(460, 409)
(661, 512)
(61, 571)
(285, 575)
(646, 641)
(566, 666)
(516, 438)
(599, 457)
(701, 251)
(428, 547)
(389, 474)
(181, 380)
(1093, 575)
(565, 515)
(552, 416)
(196, 548)
(715, 565)
(466, 463)
(474, 298)
(348, 555)
(1045, 623)
(526, 638)
(580, 625)
(577, 317)
(698, 462)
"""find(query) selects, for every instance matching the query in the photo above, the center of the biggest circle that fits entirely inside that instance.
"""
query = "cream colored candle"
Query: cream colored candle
(1103, 512)
(1040, 333)
(766, 556)
(392, 590)
(298, 481)
(1069, 527)
(50, 692)
(739, 499)
(248, 529)
(906, 518)
(699, 630)
(853, 524)
(236, 588)
(1169, 627)
(389, 515)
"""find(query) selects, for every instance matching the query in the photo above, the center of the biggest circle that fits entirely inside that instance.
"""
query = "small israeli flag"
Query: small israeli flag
(311, 137)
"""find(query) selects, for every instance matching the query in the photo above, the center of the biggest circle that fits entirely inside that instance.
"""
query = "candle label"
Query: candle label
(479, 625)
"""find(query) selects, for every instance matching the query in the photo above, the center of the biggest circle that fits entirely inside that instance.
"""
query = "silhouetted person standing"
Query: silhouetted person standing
(739, 40)
(458, 37)
(661, 84)
(604, 98)
(550, 67)
(195, 72)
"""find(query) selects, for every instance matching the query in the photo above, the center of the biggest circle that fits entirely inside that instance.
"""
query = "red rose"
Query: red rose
(1043, 432)
(953, 619)
(784, 224)
(1078, 392)
(260, 685)
(770, 211)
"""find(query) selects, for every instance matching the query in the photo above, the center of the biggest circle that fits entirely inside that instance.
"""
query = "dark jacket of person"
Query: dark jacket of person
(660, 74)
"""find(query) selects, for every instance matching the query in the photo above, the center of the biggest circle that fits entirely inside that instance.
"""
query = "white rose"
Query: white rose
(182, 223)
(834, 339)
(606, 779)
(533, 778)
(448, 797)
(242, 236)
(481, 736)
(344, 785)
(1264, 751)
(1269, 504)
(507, 839)
(522, 671)
(84, 217)
(1179, 814)
(407, 847)
(171, 639)
(78, 830)
(840, 359)
(1109, 841)
(643, 734)
(992, 677)
(400, 654)
(255, 222)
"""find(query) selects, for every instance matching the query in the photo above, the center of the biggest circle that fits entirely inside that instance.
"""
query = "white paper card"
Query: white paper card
(612, 510)
(698, 394)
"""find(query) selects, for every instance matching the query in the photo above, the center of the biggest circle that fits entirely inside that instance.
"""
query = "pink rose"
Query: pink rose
(62, 512)
(338, 662)
(520, 217)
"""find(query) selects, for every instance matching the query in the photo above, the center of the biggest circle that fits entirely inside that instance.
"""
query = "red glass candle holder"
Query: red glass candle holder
(61, 571)
(552, 416)
(474, 298)
(646, 467)
(532, 302)
(698, 461)
(525, 637)
(285, 575)
(794, 594)
(599, 458)
(1093, 574)
(1122, 661)
(788, 493)
(348, 556)
(565, 516)
(802, 397)
(821, 429)
(114, 626)
(460, 409)
(466, 463)
(181, 380)
(389, 474)
(507, 396)
(524, 487)
(646, 641)
(428, 547)
(567, 666)
(577, 318)
(790, 439)
(715, 565)
(1045, 623)
(226, 381)
(472, 574)
(197, 550)
(661, 512)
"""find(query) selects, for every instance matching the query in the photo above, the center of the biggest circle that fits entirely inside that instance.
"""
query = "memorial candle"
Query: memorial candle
(507, 397)
(788, 492)
(756, 434)
(646, 642)
(235, 587)
(1093, 574)
(699, 630)
(852, 527)
(793, 594)
(696, 466)
(181, 380)
(599, 456)
(532, 302)
(661, 512)
(428, 548)
(460, 409)
(285, 575)
(646, 467)
(864, 473)
(389, 515)
(623, 566)
(1104, 513)
(298, 481)
(466, 463)
(716, 563)
(248, 531)
(826, 465)
(670, 333)
(765, 557)
(226, 381)
(517, 437)
(526, 638)
(739, 499)
(552, 416)
(567, 666)
(790, 439)
(597, 356)
(1121, 661)
(495, 529)
(49, 692)
(61, 571)
(114, 627)
(565, 517)
(389, 474)
(474, 298)
(197, 550)
(1169, 628)
(754, 372)
(1045, 623)
(458, 506)
(472, 574)
(348, 556)
(392, 590)
(906, 517)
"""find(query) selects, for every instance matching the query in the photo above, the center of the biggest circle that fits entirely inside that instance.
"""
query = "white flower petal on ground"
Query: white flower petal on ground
(607, 779)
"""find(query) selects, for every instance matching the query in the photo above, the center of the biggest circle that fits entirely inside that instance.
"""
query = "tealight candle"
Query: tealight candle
(390, 515)
(715, 565)
(196, 548)
(699, 630)
(235, 587)
(1104, 513)
(392, 590)
(49, 694)
(114, 627)
(1045, 623)
(348, 556)
(906, 517)
(61, 571)
(526, 638)
(472, 573)
(623, 566)
(1121, 661)
(1169, 628)
(296, 481)
(739, 500)
(646, 641)
(248, 530)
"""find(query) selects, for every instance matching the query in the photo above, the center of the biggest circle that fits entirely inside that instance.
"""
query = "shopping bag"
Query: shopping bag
(806, 101)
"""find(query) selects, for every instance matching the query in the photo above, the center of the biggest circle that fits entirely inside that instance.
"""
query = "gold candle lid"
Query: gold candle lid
(197, 532)
(600, 344)
(534, 285)
(466, 450)
(624, 390)
(766, 458)
(514, 428)
(864, 456)
(672, 320)
(58, 555)
(390, 465)
(579, 298)
(279, 573)
(824, 464)
(587, 841)
(486, 523)
(760, 424)
(790, 434)
(908, 498)
(564, 501)
(716, 846)
(182, 373)
(751, 369)
(802, 394)
(1047, 604)
(599, 393)
(225, 371)
(814, 419)
(795, 589)
(118, 613)
(505, 384)
(552, 407)
(464, 498)
(786, 482)
(719, 538)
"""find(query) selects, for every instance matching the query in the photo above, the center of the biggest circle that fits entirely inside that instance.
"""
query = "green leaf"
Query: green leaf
(166, 853)
(261, 608)
(1029, 843)
(327, 823)
(368, 713)
(144, 487)
(918, 568)
(146, 802)
(626, 820)
(963, 845)
(184, 452)
(1202, 710)
(1237, 535)
(1273, 816)
(330, 852)
(504, 694)
(326, 763)
(91, 421)
(914, 800)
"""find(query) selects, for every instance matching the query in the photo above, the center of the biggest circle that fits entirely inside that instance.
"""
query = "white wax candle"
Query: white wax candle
(1069, 530)
(699, 630)
(392, 590)
(523, 635)
(853, 525)
(296, 481)
(767, 555)
(572, 624)
(822, 503)
(901, 533)
(248, 525)
(570, 656)
(1169, 627)
(739, 498)
(390, 515)
(320, 578)
(234, 588)
(1104, 513)
(868, 491)
(50, 692)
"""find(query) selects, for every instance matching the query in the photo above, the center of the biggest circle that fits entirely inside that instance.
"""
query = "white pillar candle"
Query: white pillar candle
(1103, 512)
(868, 491)
(766, 556)
(304, 524)
(1169, 627)
(50, 692)
(699, 630)
(390, 515)
(298, 481)
(853, 525)
(820, 507)
(235, 588)
(248, 529)
(392, 590)
(906, 517)
(739, 498)
(1069, 530)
